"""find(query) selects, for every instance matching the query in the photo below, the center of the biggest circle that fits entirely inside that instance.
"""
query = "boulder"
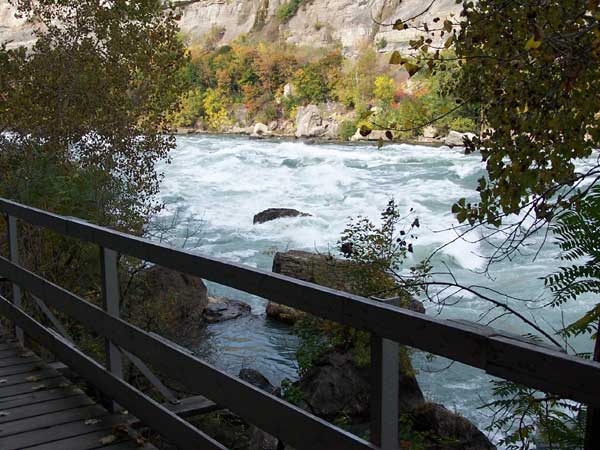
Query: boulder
(322, 269)
(444, 429)
(374, 135)
(335, 386)
(456, 139)
(277, 213)
(165, 301)
(273, 125)
(430, 132)
(309, 122)
(221, 309)
(257, 379)
(283, 313)
(260, 130)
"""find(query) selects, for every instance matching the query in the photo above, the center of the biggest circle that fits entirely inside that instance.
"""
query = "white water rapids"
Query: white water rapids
(224, 181)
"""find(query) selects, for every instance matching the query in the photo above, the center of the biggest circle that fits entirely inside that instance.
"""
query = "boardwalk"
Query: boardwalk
(40, 409)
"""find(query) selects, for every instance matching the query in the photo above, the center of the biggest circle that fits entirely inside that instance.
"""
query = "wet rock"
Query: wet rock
(444, 429)
(336, 385)
(221, 309)
(165, 301)
(277, 213)
(456, 139)
(257, 379)
(283, 313)
(322, 269)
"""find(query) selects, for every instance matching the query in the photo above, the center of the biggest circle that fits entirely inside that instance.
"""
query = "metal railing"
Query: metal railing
(499, 354)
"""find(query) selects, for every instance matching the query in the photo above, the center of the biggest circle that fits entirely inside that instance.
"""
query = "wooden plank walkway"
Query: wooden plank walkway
(42, 410)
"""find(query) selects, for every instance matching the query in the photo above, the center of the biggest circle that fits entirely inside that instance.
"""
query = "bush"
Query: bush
(288, 10)
(384, 91)
(347, 129)
(191, 109)
(214, 104)
(462, 124)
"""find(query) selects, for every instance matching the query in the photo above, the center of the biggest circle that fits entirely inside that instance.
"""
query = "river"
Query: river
(216, 184)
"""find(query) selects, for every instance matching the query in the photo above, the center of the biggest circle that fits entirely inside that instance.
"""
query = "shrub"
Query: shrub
(191, 109)
(384, 91)
(217, 117)
(347, 129)
(381, 43)
(288, 10)
(462, 124)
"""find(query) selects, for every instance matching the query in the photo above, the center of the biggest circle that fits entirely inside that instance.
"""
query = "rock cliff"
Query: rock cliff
(319, 23)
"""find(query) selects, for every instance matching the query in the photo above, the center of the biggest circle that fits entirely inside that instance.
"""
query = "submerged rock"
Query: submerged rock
(221, 309)
(277, 213)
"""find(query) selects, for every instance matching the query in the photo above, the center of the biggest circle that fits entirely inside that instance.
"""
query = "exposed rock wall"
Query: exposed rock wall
(316, 23)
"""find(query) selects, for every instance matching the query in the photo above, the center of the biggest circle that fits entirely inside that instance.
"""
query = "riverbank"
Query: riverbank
(434, 142)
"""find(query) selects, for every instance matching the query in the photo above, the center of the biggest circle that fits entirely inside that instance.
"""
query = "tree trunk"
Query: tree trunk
(592, 426)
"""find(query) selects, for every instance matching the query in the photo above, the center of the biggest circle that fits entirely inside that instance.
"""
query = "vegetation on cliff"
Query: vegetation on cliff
(247, 81)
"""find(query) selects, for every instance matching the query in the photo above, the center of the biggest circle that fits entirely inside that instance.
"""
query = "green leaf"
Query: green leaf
(396, 58)
(533, 43)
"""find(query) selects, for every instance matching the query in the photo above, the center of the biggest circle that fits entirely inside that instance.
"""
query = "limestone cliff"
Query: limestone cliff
(350, 23)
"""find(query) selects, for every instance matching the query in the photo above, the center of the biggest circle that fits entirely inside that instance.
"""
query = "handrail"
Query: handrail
(495, 352)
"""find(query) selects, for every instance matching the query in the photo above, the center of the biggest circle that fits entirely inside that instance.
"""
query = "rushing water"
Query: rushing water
(220, 183)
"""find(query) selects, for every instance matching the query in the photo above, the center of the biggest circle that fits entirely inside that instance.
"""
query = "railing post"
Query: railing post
(385, 364)
(13, 254)
(111, 304)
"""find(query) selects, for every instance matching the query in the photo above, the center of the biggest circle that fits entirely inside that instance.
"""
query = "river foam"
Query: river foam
(222, 182)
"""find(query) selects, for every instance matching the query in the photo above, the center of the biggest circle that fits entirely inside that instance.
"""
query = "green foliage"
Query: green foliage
(82, 117)
(527, 412)
(531, 67)
(462, 124)
(191, 108)
(214, 103)
(347, 129)
(381, 43)
(385, 88)
(288, 10)
(377, 254)
(576, 230)
(74, 83)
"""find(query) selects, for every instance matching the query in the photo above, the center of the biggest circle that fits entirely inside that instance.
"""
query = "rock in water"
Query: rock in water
(221, 309)
(260, 130)
(438, 424)
(277, 213)
(167, 299)
(336, 385)
(456, 139)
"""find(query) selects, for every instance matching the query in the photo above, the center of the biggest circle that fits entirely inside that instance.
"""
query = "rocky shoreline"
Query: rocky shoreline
(316, 125)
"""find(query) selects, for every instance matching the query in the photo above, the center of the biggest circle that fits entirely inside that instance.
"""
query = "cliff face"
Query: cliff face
(316, 22)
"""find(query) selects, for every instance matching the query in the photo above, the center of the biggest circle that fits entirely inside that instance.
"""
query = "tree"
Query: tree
(532, 69)
(94, 90)
(82, 125)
